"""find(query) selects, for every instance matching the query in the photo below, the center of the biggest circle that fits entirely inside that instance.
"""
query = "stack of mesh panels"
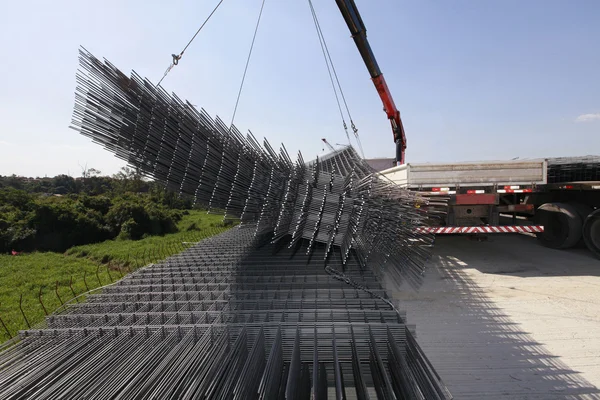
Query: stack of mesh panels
(234, 317)
(574, 169)
(338, 200)
(289, 305)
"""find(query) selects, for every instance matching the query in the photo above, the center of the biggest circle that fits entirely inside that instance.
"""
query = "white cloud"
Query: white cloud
(588, 117)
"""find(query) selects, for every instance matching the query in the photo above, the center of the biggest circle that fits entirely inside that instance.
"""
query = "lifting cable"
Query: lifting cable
(247, 63)
(332, 74)
(176, 57)
(334, 273)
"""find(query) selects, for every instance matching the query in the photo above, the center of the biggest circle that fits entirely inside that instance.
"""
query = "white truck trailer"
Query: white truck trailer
(557, 199)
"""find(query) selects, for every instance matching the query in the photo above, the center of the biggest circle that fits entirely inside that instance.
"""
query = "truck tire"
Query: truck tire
(591, 232)
(583, 210)
(562, 225)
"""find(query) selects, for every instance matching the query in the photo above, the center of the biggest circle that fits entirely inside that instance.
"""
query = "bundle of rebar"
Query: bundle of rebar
(229, 318)
(573, 169)
(339, 200)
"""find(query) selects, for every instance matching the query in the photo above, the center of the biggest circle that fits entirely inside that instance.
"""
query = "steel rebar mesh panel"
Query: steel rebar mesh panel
(234, 316)
(573, 169)
(288, 305)
(338, 201)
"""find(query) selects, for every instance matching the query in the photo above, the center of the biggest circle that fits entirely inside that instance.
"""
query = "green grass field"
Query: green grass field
(127, 253)
(100, 264)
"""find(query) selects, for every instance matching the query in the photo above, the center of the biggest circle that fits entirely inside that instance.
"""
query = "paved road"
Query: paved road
(510, 319)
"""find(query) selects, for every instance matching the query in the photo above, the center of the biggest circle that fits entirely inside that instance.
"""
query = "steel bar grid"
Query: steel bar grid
(286, 305)
(337, 200)
(573, 169)
(207, 328)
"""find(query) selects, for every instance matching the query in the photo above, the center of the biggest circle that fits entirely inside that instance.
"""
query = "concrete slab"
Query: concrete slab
(509, 319)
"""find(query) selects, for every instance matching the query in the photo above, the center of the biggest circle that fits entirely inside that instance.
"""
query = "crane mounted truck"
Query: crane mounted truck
(527, 196)
(561, 208)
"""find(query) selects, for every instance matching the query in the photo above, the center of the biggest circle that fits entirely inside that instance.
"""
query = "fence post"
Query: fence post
(97, 276)
(57, 295)
(41, 302)
(23, 312)
(73, 291)
(87, 289)
(5, 328)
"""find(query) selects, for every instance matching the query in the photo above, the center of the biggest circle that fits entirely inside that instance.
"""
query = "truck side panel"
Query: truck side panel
(476, 174)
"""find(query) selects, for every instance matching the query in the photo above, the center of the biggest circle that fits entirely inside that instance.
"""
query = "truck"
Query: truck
(557, 199)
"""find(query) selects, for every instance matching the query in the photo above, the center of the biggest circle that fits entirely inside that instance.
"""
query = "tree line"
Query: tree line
(54, 214)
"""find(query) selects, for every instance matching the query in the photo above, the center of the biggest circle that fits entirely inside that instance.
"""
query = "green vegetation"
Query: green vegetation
(194, 226)
(111, 259)
(30, 222)
(75, 235)
(25, 274)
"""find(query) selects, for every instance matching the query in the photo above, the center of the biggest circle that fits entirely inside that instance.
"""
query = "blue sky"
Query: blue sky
(473, 79)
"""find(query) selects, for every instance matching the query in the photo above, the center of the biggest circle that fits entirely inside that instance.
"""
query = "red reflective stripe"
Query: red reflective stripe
(480, 229)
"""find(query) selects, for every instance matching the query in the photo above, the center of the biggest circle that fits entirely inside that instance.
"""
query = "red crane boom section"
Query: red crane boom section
(359, 34)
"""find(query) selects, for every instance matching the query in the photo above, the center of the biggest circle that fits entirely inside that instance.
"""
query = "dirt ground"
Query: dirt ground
(507, 318)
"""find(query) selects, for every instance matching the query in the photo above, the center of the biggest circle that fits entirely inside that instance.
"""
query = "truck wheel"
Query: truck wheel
(591, 232)
(583, 210)
(562, 225)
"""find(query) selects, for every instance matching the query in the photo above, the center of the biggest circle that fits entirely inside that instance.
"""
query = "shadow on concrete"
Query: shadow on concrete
(476, 348)
(519, 255)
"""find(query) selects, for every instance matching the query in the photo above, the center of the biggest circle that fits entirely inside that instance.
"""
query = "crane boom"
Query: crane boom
(359, 34)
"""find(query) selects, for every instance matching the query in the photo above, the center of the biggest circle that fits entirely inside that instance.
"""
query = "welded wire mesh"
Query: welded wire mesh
(231, 317)
(288, 305)
(573, 169)
(338, 200)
